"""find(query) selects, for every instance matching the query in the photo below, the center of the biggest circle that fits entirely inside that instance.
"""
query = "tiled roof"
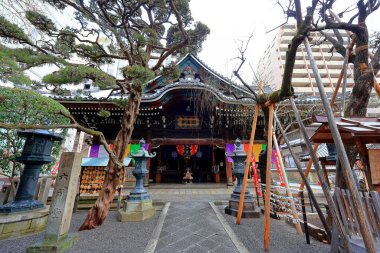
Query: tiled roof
(321, 152)
(101, 162)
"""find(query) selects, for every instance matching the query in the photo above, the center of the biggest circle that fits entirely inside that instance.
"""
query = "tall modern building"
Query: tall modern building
(271, 65)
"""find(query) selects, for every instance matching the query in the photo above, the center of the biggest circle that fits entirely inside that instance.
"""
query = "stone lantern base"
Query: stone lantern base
(21, 206)
(23, 223)
(136, 210)
(249, 210)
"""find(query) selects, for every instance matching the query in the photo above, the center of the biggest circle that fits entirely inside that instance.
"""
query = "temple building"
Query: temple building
(190, 123)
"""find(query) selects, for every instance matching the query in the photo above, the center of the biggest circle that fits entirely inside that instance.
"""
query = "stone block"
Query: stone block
(137, 206)
(136, 211)
(39, 224)
(52, 245)
(16, 226)
(249, 210)
(27, 231)
(64, 194)
(245, 214)
(23, 223)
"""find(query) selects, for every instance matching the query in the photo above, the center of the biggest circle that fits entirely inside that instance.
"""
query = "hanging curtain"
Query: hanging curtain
(230, 147)
(98, 151)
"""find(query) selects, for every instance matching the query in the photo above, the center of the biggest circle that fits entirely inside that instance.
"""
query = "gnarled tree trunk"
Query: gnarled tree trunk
(98, 213)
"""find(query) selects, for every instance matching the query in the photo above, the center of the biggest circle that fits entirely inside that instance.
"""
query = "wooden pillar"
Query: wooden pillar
(213, 156)
(268, 181)
(159, 164)
(213, 163)
(364, 156)
(230, 182)
(374, 161)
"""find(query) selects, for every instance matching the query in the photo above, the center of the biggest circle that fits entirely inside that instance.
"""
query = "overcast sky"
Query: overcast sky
(233, 21)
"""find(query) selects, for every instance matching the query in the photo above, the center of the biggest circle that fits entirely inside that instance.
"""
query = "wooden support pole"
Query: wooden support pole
(306, 228)
(345, 66)
(308, 167)
(249, 156)
(288, 192)
(332, 101)
(310, 191)
(326, 174)
(247, 162)
(325, 188)
(341, 151)
(268, 181)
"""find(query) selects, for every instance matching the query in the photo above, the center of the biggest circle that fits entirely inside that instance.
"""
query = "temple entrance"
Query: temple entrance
(206, 164)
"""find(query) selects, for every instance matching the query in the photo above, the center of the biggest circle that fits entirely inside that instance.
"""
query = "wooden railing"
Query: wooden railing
(371, 204)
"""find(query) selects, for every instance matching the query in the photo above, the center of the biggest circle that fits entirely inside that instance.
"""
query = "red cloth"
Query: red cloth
(187, 150)
(279, 171)
(255, 177)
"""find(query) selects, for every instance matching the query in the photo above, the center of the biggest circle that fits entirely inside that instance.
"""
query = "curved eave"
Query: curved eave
(211, 71)
(195, 85)
(219, 75)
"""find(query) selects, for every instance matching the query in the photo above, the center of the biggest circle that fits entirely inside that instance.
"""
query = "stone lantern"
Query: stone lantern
(138, 205)
(239, 156)
(36, 152)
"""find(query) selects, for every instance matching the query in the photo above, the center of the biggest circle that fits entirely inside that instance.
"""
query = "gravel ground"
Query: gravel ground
(112, 236)
(283, 238)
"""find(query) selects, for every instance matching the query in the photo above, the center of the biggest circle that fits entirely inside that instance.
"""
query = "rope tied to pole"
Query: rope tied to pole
(361, 48)
(375, 84)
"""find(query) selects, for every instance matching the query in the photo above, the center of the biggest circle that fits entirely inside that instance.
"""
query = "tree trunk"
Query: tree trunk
(361, 92)
(98, 213)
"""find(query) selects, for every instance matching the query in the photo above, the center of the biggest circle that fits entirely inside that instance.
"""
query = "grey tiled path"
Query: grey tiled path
(193, 227)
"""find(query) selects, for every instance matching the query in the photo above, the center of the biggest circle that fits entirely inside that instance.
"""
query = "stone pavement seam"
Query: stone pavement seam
(151, 246)
(239, 245)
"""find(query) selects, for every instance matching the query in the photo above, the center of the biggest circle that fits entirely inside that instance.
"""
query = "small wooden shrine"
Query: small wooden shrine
(362, 132)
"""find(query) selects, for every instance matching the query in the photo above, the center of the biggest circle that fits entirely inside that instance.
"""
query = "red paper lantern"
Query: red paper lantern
(187, 150)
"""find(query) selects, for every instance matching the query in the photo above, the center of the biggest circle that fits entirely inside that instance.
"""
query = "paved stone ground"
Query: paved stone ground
(283, 238)
(112, 236)
(193, 227)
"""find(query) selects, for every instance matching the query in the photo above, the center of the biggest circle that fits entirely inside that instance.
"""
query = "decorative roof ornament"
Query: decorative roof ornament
(188, 75)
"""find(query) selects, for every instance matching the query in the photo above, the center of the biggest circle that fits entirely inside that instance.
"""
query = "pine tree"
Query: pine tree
(143, 33)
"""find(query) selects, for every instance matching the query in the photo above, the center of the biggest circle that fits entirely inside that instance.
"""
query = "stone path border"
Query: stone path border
(239, 245)
(151, 246)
